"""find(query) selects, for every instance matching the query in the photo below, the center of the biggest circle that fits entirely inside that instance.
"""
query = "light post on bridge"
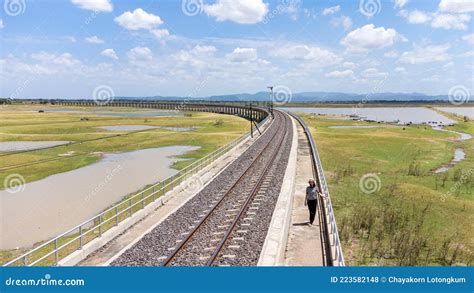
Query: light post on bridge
(270, 107)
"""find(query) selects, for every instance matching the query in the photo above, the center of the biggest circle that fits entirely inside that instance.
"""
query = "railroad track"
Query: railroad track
(226, 223)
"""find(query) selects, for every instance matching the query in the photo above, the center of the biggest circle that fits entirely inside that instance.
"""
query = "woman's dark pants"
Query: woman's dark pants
(312, 210)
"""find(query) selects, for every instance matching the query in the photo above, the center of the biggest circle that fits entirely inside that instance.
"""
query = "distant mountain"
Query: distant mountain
(304, 97)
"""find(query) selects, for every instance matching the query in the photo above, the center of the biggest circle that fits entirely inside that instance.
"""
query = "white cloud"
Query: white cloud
(370, 37)
(138, 19)
(239, 11)
(94, 5)
(468, 54)
(331, 10)
(140, 54)
(344, 21)
(451, 21)
(350, 65)
(391, 54)
(432, 53)
(399, 3)
(416, 16)
(243, 55)
(109, 53)
(160, 34)
(65, 59)
(469, 38)
(456, 6)
(71, 39)
(373, 73)
(316, 56)
(437, 20)
(340, 74)
(290, 7)
(204, 50)
(94, 40)
(1, 24)
(400, 69)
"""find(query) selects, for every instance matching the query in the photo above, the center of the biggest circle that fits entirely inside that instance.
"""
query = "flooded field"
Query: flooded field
(47, 207)
(459, 153)
(120, 112)
(402, 115)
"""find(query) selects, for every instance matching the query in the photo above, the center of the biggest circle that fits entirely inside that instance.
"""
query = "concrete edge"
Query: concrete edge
(273, 250)
(95, 244)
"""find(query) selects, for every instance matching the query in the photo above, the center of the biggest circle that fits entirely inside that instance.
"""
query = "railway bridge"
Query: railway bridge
(247, 210)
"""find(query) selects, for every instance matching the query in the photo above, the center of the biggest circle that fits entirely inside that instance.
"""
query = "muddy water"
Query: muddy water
(459, 153)
(45, 208)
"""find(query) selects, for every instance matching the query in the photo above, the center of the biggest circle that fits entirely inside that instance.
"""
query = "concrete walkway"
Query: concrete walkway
(304, 243)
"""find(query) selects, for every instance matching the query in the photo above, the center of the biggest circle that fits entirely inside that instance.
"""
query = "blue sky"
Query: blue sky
(68, 48)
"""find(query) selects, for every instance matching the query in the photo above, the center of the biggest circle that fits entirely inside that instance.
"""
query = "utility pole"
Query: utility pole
(270, 107)
(251, 120)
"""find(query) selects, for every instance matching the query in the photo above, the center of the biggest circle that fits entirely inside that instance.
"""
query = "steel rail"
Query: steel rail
(182, 244)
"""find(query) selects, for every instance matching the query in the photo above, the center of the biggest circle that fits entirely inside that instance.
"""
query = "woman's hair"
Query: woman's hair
(312, 182)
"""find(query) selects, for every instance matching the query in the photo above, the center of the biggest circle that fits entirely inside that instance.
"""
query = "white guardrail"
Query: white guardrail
(54, 250)
(335, 252)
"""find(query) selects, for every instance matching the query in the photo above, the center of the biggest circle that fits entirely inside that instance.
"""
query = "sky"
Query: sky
(73, 48)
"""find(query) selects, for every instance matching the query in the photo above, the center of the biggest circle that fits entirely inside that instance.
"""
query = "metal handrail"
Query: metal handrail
(337, 256)
(84, 228)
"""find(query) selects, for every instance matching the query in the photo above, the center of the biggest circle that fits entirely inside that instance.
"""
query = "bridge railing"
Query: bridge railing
(56, 249)
(334, 249)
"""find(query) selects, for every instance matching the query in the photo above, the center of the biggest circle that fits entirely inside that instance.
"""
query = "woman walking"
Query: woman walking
(311, 199)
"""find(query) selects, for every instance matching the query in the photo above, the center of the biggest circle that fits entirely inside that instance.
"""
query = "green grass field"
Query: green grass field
(413, 217)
